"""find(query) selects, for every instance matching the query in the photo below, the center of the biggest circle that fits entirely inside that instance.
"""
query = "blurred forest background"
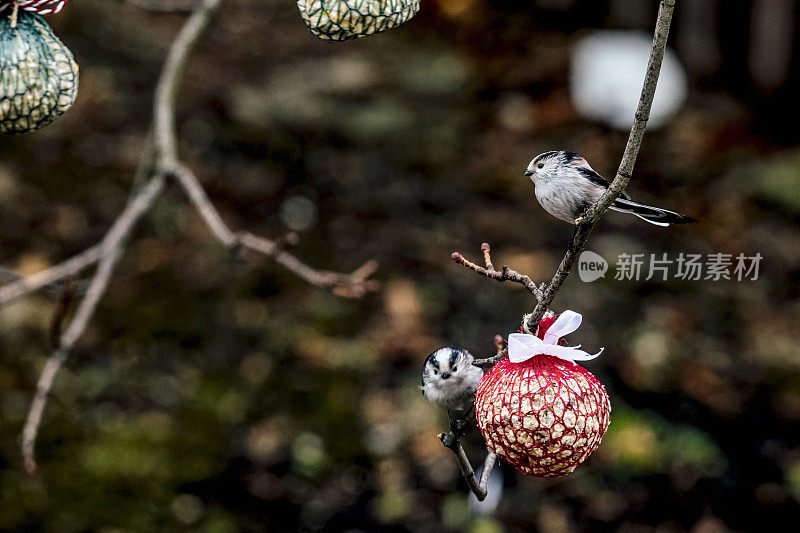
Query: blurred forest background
(212, 394)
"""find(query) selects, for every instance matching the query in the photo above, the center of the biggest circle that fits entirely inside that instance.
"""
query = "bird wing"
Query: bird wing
(589, 173)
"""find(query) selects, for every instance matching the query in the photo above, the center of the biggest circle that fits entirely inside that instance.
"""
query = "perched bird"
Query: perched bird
(566, 186)
(449, 379)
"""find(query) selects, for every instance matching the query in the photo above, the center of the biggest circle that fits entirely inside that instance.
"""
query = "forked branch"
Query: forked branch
(159, 163)
(504, 274)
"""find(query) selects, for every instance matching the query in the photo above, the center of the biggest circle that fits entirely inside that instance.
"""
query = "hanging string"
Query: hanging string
(42, 7)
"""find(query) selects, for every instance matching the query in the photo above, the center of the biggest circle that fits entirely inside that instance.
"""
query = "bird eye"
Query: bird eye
(539, 165)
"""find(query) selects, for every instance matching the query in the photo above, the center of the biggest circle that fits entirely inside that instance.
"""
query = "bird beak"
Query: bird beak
(529, 172)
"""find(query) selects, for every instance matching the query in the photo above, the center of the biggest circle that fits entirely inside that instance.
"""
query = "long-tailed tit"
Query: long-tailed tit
(449, 379)
(566, 186)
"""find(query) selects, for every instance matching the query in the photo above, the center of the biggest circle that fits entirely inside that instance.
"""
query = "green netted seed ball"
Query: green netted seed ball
(38, 75)
(339, 20)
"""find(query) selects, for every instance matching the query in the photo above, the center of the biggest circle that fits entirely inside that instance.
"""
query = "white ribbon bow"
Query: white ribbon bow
(522, 346)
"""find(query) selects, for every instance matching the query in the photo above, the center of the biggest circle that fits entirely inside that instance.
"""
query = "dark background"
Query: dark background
(213, 394)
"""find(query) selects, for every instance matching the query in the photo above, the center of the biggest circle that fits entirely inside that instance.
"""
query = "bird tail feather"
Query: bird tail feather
(653, 215)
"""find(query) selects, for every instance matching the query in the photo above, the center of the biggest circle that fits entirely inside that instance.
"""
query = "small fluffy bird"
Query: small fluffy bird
(566, 186)
(449, 379)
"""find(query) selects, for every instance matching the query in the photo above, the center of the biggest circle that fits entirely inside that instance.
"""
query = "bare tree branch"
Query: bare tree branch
(159, 161)
(111, 246)
(353, 285)
(199, 198)
(489, 362)
(70, 288)
(65, 269)
(583, 229)
(488, 466)
(164, 138)
(478, 487)
(112, 249)
(452, 441)
(504, 274)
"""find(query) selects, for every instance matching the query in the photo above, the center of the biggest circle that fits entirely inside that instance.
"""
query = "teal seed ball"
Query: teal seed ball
(38, 74)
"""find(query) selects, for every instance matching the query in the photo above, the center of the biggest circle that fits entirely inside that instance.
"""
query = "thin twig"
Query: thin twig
(353, 285)
(112, 248)
(63, 270)
(62, 309)
(504, 274)
(469, 473)
(498, 343)
(488, 465)
(188, 181)
(489, 362)
(452, 441)
(166, 152)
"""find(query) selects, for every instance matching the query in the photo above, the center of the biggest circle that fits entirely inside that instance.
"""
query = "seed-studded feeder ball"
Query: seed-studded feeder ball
(340, 20)
(38, 75)
(545, 414)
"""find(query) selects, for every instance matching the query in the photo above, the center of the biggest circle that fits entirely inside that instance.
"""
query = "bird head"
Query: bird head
(447, 364)
(545, 166)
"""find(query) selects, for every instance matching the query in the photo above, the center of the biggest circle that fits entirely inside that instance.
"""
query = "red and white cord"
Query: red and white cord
(42, 7)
